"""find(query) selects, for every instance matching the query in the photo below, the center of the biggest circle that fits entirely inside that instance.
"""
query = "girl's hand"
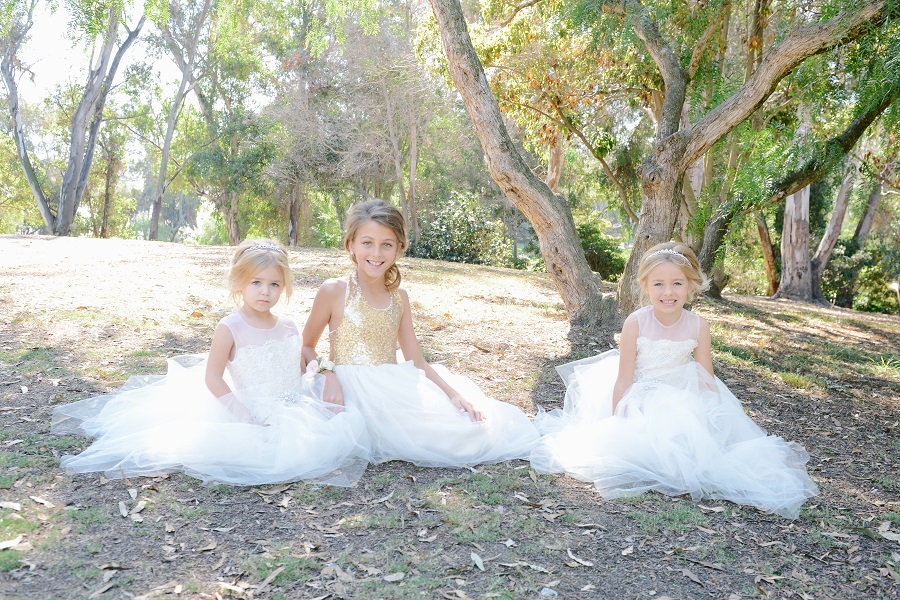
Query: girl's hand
(464, 405)
(333, 395)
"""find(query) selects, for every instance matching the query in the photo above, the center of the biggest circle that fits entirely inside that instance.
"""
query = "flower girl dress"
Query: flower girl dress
(408, 416)
(677, 430)
(163, 424)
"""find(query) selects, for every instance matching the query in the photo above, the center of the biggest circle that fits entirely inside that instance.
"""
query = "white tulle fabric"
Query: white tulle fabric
(677, 430)
(408, 416)
(163, 424)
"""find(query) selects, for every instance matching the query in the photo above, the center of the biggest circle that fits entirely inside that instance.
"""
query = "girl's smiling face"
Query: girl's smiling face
(375, 248)
(668, 289)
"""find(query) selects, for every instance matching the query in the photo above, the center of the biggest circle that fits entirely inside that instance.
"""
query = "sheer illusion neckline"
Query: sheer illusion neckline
(661, 324)
(362, 294)
(252, 326)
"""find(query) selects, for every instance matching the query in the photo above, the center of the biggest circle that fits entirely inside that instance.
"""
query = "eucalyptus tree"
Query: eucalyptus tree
(679, 39)
(185, 36)
(562, 88)
(100, 25)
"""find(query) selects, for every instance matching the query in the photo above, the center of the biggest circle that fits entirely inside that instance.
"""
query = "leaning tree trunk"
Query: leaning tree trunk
(186, 65)
(796, 280)
(860, 236)
(86, 122)
(830, 238)
(548, 214)
(765, 240)
(557, 160)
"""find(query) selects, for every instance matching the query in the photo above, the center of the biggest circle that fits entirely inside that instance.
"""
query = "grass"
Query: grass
(297, 568)
(682, 517)
(373, 521)
(31, 361)
(10, 559)
(90, 517)
(800, 380)
(885, 365)
(888, 484)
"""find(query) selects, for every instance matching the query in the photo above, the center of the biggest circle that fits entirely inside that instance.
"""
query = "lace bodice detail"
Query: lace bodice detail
(660, 347)
(366, 335)
(265, 360)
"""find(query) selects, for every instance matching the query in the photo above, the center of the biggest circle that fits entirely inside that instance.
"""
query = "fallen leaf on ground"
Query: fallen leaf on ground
(690, 575)
(476, 560)
(395, 577)
(580, 561)
(265, 582)
(10, 543)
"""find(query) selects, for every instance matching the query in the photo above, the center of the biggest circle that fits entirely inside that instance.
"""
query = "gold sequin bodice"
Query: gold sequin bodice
(366, 335)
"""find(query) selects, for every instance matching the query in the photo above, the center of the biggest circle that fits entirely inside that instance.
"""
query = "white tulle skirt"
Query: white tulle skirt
(410, 418)
(683, 432)
(164, 424)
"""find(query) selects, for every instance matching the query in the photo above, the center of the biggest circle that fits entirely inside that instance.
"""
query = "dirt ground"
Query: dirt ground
(78, 316)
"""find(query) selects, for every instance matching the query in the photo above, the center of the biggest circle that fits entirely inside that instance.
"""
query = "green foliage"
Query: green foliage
(601, 250)
(864, 277)
(463, 230)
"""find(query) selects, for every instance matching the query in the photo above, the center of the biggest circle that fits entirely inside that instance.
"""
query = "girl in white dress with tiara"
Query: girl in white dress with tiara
(652, 416)
(413, 411)
(243, 414)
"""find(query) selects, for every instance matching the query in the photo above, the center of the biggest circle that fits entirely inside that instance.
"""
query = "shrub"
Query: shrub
(601, 250)
(463, 230)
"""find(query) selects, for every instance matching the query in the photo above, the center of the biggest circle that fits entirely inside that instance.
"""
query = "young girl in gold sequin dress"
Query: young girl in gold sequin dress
(242, 414)
(413, 411)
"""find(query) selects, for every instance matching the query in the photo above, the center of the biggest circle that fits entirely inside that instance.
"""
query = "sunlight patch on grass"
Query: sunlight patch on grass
(31, 360)
(885, 365)
(799, 380)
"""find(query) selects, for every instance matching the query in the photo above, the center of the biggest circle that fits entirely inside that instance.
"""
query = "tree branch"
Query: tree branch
(519, 7)
(701, 44)
(797, 46)
(833, 150)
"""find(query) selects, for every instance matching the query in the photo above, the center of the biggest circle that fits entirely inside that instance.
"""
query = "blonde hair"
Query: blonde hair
(385, 214)
(251, 257)
(680, 255)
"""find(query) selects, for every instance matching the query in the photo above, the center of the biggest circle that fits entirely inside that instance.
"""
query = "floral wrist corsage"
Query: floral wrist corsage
(324, 364)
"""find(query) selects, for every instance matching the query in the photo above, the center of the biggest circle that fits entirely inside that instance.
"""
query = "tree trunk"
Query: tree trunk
(230, 212)
(186, 65)
(662, 179)
(294, 215)
(549, 215)
(413, 167)
(86, 122)
(829, 239)
(557, 160)
(796, 282)
(847, 293)
(16, 37)
(865, 221)
(768, 253)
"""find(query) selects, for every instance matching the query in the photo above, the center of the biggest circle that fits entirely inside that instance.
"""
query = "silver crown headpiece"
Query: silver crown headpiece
(266, 247)
(668, 251)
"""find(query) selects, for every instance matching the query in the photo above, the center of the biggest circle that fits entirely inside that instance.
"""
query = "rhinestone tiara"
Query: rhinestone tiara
(668, 251)
(266, 247)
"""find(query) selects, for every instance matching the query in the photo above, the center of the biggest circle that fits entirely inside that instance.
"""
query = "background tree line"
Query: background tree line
(561, 134)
